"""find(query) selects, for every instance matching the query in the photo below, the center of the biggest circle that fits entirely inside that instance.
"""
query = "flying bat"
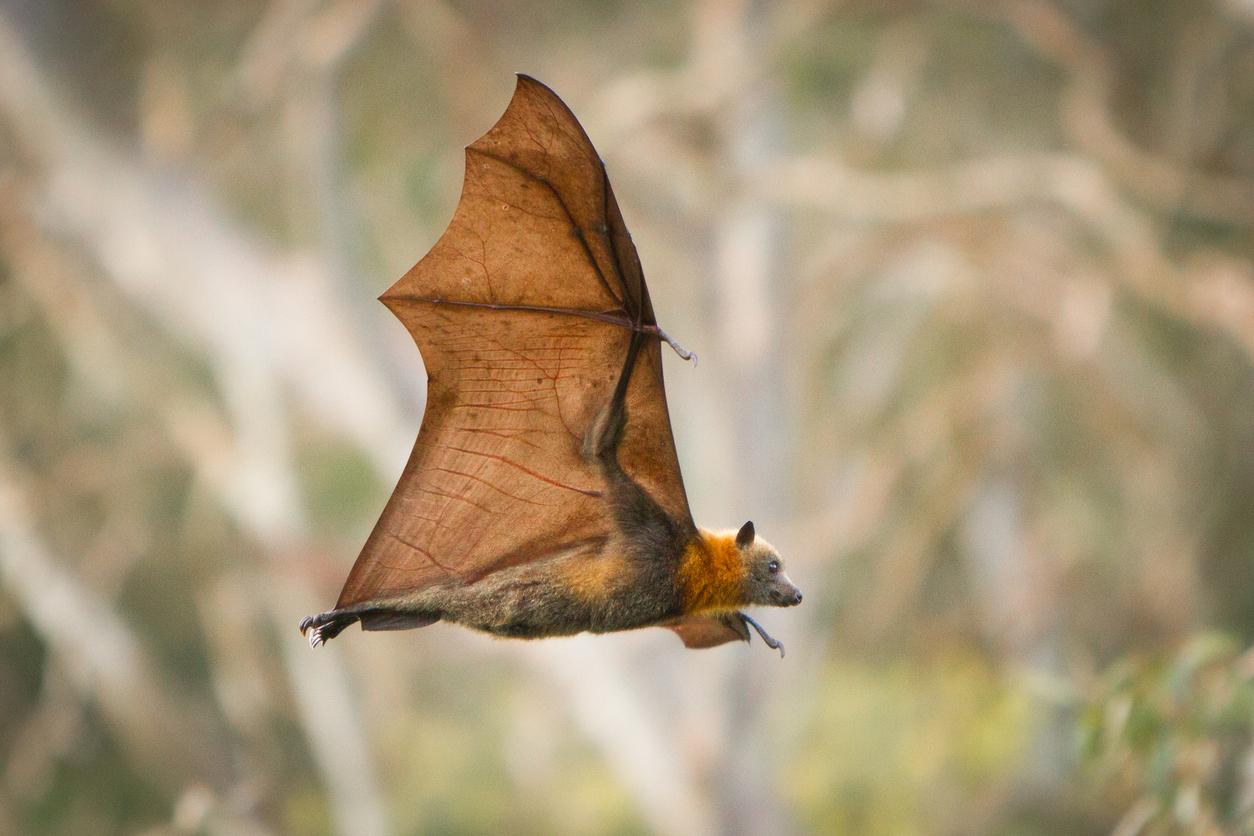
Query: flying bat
(543, 496)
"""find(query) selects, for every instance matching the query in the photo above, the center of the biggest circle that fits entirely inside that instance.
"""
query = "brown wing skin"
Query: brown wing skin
(523, 311)
(699, 631)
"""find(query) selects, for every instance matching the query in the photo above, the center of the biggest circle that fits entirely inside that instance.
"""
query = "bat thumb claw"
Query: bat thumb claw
(684, 354)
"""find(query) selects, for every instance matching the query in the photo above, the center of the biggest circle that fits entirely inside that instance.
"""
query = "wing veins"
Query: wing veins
(524, 469)
(424, 553)
(609, 317)
(583, 241)
(618, 259)
(493, 487)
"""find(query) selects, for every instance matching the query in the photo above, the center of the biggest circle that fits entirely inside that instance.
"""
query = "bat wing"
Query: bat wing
(699, 631)
(523, 312)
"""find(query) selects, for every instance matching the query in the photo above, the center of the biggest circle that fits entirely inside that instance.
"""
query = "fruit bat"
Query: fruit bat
(543, 496)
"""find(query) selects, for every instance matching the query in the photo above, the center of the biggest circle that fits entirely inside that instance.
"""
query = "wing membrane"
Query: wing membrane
(701, 631)
(508, 397)
(523, 311)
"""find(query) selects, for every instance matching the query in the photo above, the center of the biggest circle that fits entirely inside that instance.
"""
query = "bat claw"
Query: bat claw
(684, 354)
(311, 624)
(770, 641)
(316, 637)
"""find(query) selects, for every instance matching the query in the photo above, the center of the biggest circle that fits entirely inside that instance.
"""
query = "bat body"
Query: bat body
(543, 496)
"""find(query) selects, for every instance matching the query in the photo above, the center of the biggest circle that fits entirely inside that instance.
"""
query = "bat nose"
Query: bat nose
(796, 598)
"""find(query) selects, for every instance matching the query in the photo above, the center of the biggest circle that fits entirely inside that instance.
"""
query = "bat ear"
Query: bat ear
(744, 537)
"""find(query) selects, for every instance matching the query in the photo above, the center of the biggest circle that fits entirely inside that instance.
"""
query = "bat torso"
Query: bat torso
(614, 589)
(600, 587)
(649, 570)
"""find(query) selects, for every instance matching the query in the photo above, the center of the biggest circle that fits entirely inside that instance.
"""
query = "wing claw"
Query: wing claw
(684, 354)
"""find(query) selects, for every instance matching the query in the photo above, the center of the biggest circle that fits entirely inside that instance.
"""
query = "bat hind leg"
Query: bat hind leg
(325, 626)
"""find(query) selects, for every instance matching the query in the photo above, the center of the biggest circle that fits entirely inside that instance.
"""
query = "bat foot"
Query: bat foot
(770, 641)
(312, 630)
(325, 626)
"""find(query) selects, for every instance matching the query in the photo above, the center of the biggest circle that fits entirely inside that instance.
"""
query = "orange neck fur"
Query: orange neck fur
(711, 573)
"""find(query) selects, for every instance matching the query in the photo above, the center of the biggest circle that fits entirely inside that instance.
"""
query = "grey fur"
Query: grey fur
(532, 600)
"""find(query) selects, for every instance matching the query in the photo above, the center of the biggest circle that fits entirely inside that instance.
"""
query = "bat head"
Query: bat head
(765, 582)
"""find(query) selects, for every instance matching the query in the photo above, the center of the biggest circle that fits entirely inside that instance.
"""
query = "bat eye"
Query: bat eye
(773, 567)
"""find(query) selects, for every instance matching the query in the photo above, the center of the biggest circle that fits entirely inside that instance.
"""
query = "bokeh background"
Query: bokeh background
(972, 284)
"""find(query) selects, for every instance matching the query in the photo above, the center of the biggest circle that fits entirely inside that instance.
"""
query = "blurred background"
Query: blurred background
(972, 284)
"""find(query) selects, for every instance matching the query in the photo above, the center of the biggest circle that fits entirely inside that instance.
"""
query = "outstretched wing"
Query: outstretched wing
(523, 311)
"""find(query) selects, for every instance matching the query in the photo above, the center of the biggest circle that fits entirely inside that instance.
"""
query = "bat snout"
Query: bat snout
(785, 593)
(789, 599)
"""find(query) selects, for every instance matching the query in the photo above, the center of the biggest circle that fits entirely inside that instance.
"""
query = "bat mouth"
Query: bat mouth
(786, 598)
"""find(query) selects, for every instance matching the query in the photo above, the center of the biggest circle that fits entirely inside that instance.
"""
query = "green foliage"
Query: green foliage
(1173, 735)
(897, 747)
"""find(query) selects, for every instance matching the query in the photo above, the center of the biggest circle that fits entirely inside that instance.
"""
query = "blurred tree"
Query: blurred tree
(993, 397)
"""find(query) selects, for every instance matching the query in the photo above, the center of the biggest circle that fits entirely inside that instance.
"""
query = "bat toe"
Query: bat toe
(325, 626)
